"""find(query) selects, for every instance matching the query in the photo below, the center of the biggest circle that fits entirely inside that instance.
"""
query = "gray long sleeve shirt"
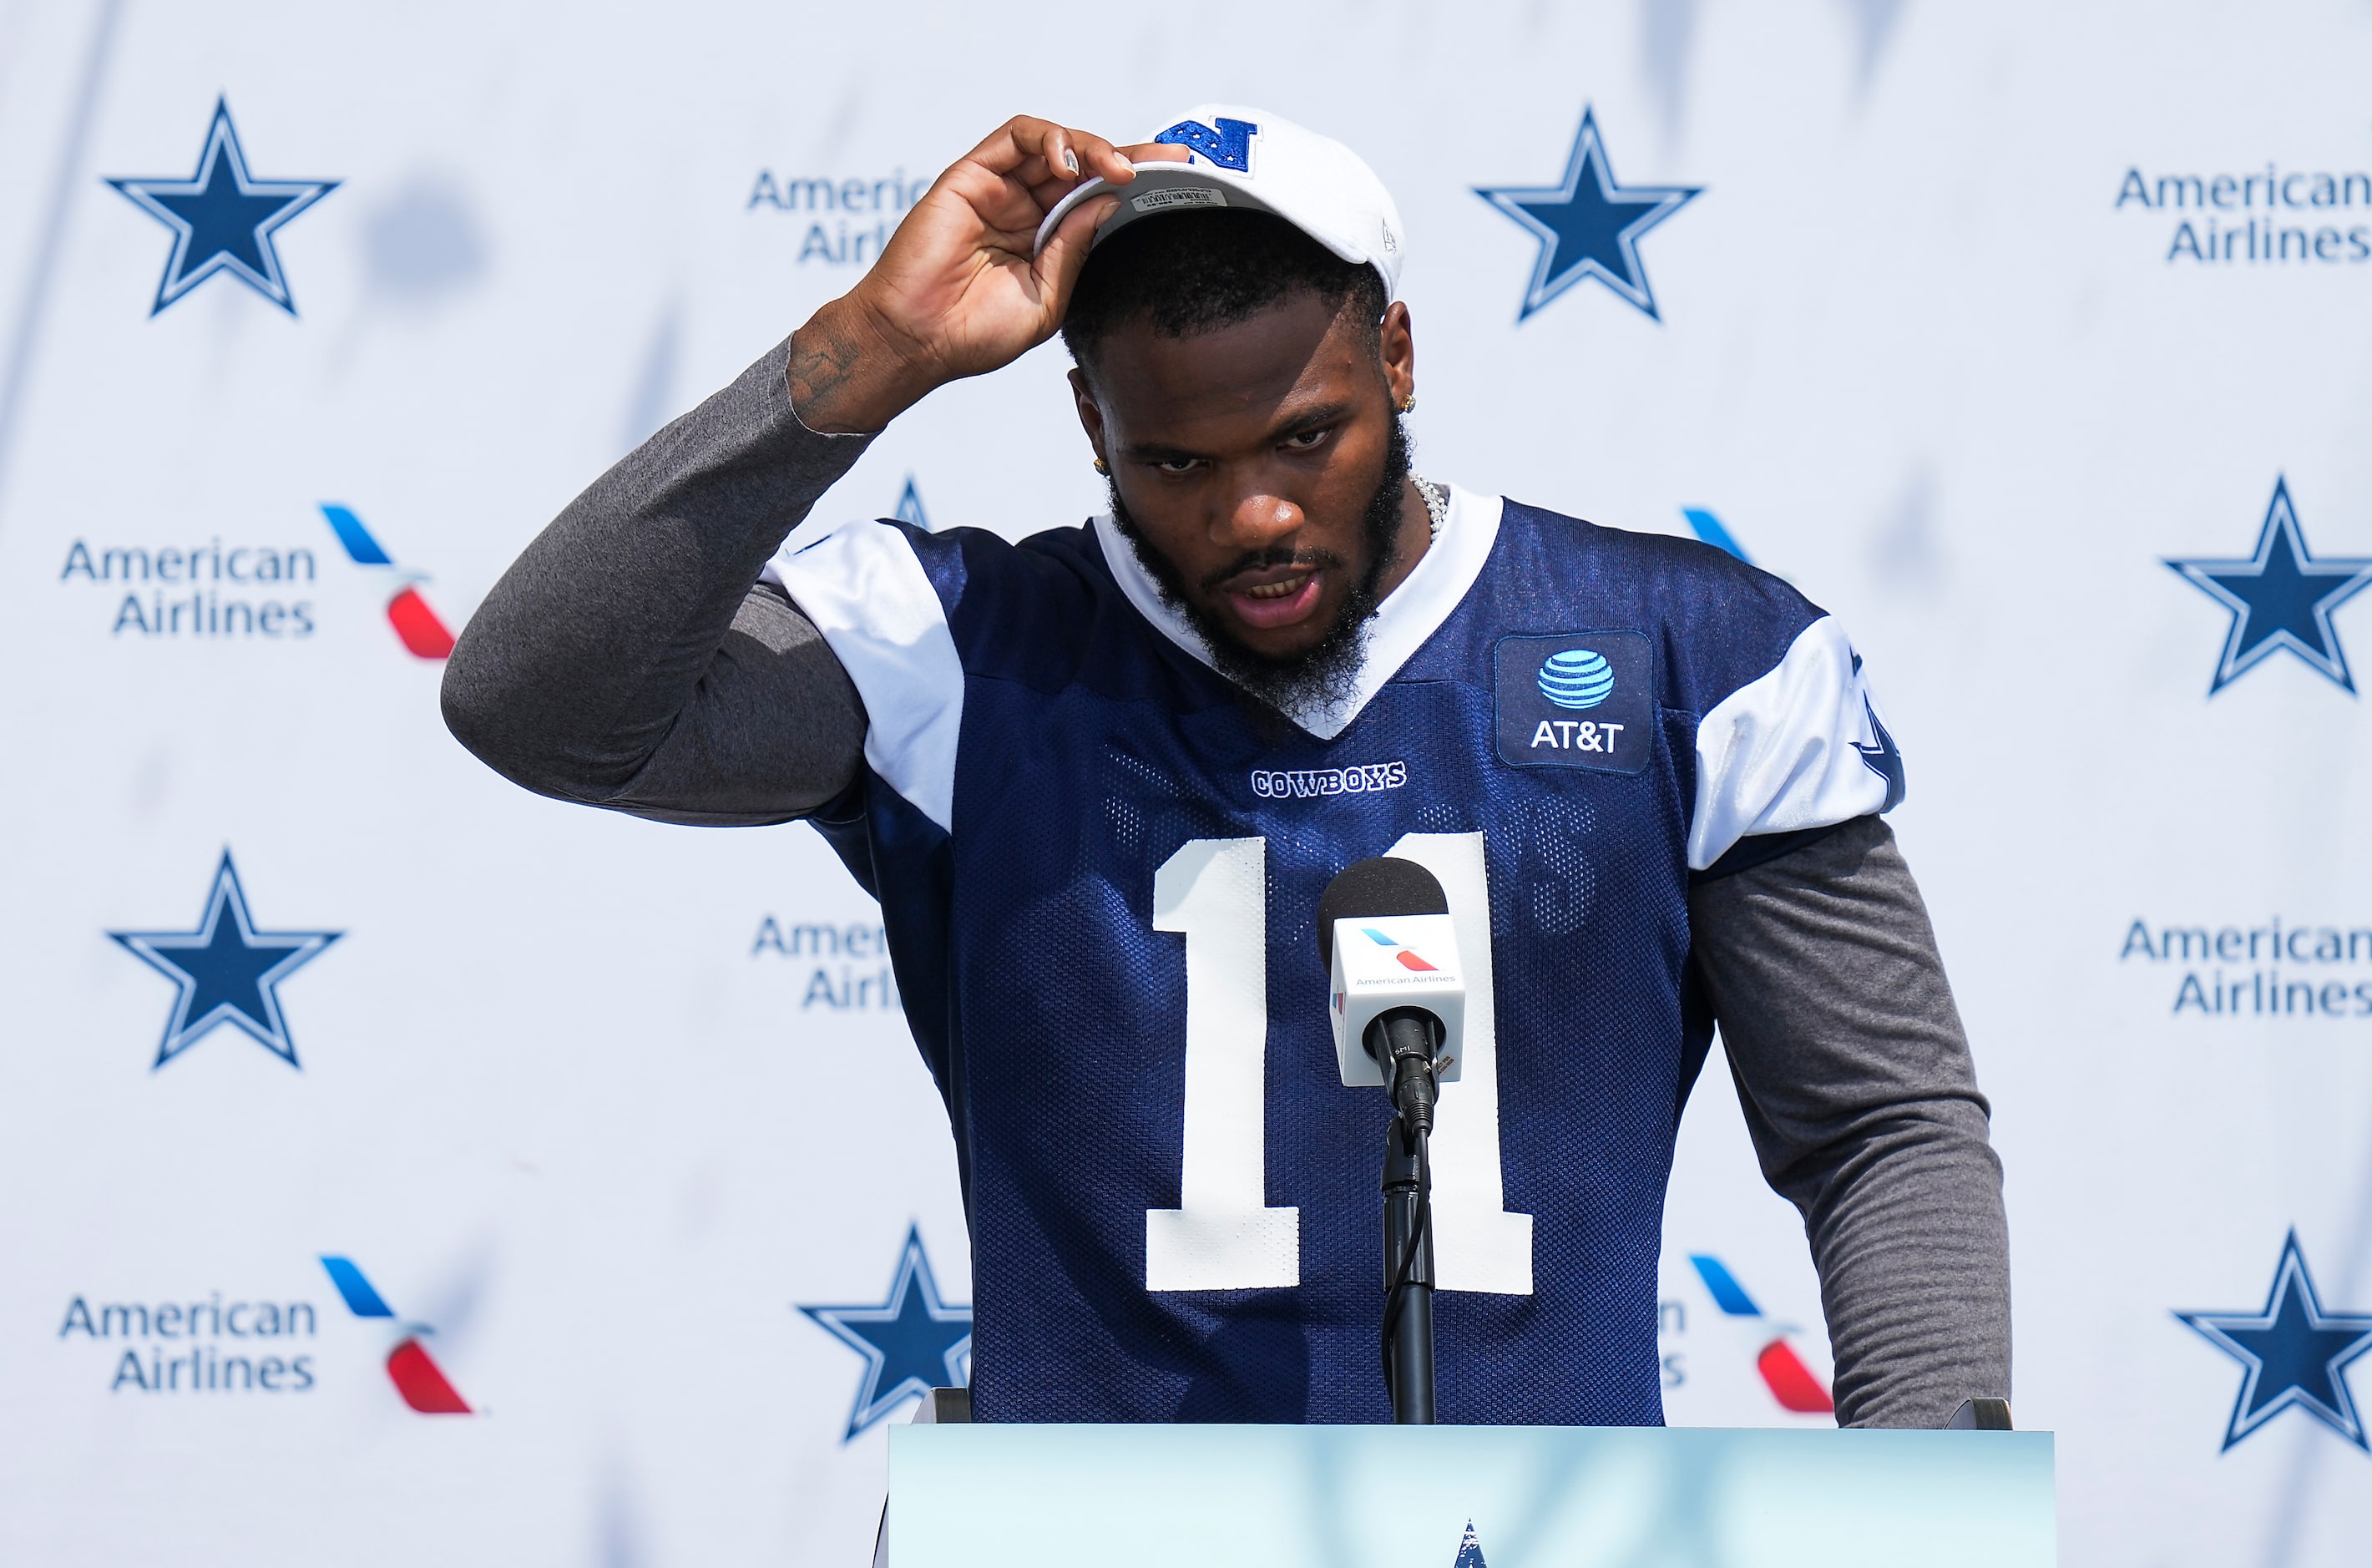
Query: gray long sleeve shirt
(632, 660)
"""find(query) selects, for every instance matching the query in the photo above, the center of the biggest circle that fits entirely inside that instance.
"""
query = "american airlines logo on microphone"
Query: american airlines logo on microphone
(1406, 956)
(1394, 961)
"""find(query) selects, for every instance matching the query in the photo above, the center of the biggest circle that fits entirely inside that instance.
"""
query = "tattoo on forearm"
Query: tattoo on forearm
(821, 361)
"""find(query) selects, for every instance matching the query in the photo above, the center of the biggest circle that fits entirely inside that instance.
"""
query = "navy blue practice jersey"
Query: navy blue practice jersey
(1100, 867)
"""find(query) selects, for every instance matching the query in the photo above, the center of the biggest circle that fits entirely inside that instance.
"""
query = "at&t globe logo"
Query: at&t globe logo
(1577, 699)
(1576, 679)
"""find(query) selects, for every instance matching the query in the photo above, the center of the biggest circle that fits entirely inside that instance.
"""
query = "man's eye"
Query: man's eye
(1177, 465)
(1306, 440)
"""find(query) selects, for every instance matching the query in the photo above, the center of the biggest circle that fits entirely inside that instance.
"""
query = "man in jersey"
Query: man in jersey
(1648, 775)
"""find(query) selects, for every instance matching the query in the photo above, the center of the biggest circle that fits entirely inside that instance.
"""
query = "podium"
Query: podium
(998, 1496)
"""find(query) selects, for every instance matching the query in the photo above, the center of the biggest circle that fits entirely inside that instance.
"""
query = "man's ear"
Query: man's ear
(1091, 416)
(1396, 348)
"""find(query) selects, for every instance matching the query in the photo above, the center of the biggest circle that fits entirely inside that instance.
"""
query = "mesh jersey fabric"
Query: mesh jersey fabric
(1090, 748)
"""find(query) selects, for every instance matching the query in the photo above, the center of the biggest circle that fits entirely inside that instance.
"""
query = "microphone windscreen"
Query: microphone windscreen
(1373, 889)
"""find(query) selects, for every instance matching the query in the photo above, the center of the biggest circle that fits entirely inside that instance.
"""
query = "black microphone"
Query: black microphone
(1395, 986)
(1403, 1040)
(1375, 889)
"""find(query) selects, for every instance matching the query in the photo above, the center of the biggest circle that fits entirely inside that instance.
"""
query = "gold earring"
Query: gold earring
(1408, 404)
(1100, 465)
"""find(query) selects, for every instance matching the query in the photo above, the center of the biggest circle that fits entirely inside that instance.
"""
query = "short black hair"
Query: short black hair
(1196, 272)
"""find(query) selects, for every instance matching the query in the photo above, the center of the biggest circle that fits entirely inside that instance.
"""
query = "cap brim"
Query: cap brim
(1161, 188)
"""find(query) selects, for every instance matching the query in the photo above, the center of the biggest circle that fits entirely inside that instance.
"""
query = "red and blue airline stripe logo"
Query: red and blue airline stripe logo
(1409, 960)
(418, 626)
(1783, 1373)
(416, 1375)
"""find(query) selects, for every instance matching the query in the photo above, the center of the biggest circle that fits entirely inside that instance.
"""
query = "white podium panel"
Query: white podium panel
(1466, 1497)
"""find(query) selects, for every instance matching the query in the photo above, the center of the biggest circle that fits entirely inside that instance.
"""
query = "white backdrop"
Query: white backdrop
(596, 1106)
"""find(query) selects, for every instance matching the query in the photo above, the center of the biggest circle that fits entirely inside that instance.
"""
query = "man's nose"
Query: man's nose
(1257, 521)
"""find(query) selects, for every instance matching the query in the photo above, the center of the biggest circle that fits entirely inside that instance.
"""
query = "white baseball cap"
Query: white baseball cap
(1249, 159)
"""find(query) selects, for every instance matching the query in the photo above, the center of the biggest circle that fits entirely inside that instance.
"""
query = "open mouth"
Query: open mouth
(1281, 601)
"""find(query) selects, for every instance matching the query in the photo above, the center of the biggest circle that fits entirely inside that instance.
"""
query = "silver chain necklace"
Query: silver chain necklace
(1436, 502)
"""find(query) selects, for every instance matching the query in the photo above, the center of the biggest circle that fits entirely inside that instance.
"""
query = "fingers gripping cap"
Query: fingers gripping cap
(1249, 159)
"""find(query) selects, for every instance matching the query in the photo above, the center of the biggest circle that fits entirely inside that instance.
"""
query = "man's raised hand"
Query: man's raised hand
(957, 291)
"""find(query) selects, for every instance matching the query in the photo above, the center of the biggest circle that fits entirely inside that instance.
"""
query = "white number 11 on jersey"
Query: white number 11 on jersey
(1223, 1235)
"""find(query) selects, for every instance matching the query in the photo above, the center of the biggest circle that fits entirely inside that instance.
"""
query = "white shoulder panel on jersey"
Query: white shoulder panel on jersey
(862, 587)
(1414, 611)
(1785, 752)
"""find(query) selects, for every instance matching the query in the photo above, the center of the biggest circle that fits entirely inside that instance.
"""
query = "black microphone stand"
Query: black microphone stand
(1404, 1041)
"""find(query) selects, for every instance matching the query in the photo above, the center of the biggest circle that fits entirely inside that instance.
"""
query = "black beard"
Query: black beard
(1325, 674)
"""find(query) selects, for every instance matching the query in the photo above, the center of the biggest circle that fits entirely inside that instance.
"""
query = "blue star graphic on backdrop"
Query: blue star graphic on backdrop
(222, 219)
(228, 971)
(1469, 1551)
(2280, 597)
(1589, 227)
(1707, 527)
(2294, 1352)
(910, 507)
(911, 1343)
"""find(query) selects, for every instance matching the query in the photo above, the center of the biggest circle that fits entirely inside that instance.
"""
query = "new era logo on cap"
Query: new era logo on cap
(1250, 158)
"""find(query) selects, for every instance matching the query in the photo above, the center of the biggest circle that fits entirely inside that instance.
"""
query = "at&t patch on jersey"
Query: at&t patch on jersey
(1581, 700)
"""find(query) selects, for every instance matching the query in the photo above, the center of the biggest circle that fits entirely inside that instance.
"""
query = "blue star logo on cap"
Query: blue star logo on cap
(912, 1342)
(223, 219)
(1589, 227)
(2296, 1354)
(226, 970)
(2280, 597)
